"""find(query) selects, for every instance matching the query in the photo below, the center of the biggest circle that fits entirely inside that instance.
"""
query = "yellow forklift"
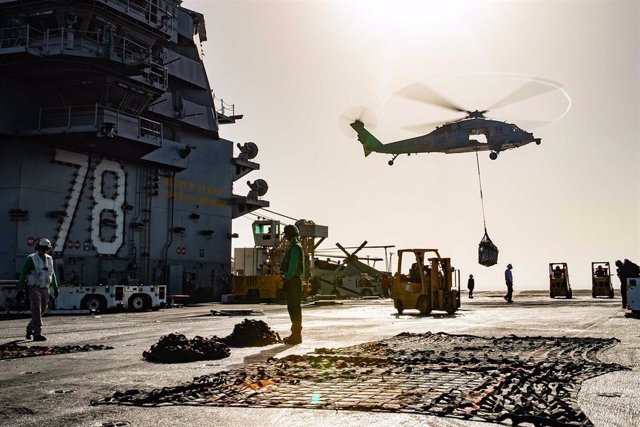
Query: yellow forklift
(601, 280)
(559, 285)
(425, 286)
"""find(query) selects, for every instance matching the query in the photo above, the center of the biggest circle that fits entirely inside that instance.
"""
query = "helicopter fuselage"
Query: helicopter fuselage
(463, 136)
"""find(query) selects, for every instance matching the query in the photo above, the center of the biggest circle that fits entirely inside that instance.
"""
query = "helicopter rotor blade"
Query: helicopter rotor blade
(363, 114)
(529, 124)
(344, 257)
(530, 89)
(355, 247)
(425, 127)
(343, 249)
(350, 256)
(344, 261)
(359, 247)
(423, 93)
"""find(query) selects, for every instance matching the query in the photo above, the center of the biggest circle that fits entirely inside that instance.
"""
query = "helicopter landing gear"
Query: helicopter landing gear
(493, 155)
(538, 141)
(390, 162)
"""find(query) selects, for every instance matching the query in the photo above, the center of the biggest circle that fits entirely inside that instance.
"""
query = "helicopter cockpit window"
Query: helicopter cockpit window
(479, 135)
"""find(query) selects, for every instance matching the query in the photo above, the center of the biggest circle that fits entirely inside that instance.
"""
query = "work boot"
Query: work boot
(296, 335)
(293, 339)
(39, 338)
(28, 334)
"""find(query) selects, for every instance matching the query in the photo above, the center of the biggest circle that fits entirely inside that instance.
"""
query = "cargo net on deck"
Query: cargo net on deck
(13, 350)
(509, 380)
(487, 251)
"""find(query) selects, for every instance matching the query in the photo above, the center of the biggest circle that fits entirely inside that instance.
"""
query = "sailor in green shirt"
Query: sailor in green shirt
(292, 267)
(38, 273)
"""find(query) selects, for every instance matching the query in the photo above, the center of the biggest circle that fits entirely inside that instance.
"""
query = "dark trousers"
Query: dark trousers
(294, 299)
(623, 292)
(509, 294)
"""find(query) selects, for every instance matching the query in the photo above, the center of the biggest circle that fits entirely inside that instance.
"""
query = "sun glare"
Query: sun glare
(412, 16)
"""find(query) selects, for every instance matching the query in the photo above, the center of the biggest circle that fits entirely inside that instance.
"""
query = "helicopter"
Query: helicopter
(472, 133)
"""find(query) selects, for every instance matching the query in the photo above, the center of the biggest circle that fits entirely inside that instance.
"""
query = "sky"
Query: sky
(292, 68)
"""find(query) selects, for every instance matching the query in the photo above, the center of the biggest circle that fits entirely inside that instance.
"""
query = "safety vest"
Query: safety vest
(42, 272)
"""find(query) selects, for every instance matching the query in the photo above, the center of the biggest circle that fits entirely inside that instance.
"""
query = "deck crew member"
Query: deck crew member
(471, 283)
(508, 278)
(292, 267)
(626, 270)
(39, 274)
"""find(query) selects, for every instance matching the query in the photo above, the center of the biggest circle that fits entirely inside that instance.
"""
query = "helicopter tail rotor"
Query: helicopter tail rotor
(369, 142)
(364, 115)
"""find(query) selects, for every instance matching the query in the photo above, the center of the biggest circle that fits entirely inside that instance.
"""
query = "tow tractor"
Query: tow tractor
(559, 285)
(425, 287)
(601, 280)
(97, 298)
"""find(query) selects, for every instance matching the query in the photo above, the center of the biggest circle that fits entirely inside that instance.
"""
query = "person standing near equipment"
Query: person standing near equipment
(623, 283)
(508, 278)
(471, 283)
(626, 270)
(292, 267)
(38, 271)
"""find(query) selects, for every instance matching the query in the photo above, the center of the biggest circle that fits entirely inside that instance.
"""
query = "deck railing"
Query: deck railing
(154, 13)
(101, 44)
(227, 110)
(107, 121)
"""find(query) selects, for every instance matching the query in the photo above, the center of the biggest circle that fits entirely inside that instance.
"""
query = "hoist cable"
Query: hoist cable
(484, 221)
(282, 215)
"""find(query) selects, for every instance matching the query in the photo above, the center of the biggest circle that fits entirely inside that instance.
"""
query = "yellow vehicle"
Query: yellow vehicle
(425, 287)
(601, 280)
(559, 285)
(258, 288)
(262, 289)
(257, 270)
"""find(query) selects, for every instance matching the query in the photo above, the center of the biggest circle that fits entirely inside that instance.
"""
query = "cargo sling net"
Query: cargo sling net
(487, 251)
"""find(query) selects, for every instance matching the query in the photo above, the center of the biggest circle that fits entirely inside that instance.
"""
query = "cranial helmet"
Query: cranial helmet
(618, 263)
(509, 266)
(43, 244)
(291, 229)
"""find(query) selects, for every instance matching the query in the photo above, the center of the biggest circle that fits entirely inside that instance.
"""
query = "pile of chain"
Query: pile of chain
(510, 380)
(13, 350)
(176, 348)
(251, 333)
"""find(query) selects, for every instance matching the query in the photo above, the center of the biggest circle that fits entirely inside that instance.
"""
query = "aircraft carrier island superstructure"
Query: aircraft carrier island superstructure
(109, 146)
